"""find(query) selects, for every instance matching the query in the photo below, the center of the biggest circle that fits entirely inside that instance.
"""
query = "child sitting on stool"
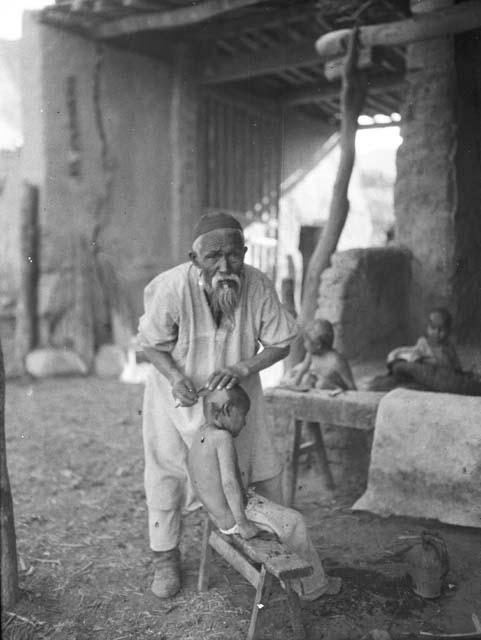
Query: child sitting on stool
(323, 367)
(216, 478)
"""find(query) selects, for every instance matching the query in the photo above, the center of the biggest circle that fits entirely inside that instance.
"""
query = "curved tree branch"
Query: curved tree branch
(353, 93)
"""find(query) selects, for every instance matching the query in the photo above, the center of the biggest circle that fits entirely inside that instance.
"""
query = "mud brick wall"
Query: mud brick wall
(111, 145)
(438, 190)
(467, 277)
(365, 295)
(426, 191)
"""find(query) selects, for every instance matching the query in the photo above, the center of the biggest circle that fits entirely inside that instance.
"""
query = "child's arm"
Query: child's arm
(231, 486)
(303, 368)
(454, 358)
(345, 372)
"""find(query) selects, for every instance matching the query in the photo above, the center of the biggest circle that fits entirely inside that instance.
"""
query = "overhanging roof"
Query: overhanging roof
(264, 49)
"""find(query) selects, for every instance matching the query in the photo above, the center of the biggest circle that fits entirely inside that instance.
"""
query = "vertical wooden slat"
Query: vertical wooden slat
(210, 160)
(26, 331)
(8, 547)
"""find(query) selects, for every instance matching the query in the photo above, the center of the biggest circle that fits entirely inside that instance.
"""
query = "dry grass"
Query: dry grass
(76, 468)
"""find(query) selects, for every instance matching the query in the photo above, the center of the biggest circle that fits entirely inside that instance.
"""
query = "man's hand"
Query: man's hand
(227, 377)
(248, 530)
(184, 392)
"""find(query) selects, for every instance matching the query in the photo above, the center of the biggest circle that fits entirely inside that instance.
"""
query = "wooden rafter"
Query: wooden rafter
(160, 20)
(260, 62)
(376, 83)
(456, 19)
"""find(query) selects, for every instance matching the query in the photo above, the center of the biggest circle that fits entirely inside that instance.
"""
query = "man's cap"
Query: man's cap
(213, 221)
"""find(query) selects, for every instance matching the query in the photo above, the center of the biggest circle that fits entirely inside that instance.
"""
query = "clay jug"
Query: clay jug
(428, 565)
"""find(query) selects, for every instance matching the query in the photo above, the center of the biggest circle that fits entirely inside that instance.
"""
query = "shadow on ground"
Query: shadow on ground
(75, 460)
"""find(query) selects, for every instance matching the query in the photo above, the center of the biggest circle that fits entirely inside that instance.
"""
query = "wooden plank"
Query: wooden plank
(450, 20)
(283, 564)
(352, 409)
(8, 548)
(295, 613)
(260, 62)
(262, 586)
(376, 83)
(205, 557)
(169, 19)
(234, 558)
(26, 331)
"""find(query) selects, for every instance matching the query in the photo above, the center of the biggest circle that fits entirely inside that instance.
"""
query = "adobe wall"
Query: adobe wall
(467, 278)
(438, 190)
(365, 293)
(105, 132)
(425, 192)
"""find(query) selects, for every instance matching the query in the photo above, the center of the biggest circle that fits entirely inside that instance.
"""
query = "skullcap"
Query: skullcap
(213, 221)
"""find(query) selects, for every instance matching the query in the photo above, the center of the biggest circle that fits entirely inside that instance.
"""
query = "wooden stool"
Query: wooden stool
(316, 445)
(257, 560)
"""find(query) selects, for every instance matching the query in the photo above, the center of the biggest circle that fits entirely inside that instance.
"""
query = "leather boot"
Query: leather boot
(166, 581)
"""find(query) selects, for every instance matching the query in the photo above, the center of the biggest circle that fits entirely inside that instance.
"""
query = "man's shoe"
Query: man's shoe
(166, 581)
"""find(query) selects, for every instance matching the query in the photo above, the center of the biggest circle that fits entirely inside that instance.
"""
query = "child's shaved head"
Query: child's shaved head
(444, 314)
(234, 397)
(320, 331)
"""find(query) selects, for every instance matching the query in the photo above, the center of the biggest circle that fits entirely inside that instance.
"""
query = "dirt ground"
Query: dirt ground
(75, 462)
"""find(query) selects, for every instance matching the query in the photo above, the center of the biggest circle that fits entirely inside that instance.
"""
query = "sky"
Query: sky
(11, 16)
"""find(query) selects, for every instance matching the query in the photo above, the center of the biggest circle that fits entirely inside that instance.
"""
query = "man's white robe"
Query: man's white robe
(178, 320)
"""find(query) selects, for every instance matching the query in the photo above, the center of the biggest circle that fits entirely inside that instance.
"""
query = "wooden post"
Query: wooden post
(8, 545)
(26, 325)
(353, 93)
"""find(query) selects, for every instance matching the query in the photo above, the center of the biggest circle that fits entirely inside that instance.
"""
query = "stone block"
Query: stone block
(46, 363)
(426, 458)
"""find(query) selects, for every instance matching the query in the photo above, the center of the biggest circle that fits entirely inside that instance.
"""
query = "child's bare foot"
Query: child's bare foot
(334, 585)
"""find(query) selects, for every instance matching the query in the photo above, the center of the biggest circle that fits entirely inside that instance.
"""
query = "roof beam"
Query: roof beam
(376, 83)
(460, 17)
(160, 20)
(260, 62)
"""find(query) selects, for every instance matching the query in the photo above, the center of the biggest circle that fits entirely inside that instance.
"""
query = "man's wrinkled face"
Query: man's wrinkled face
(220, 255)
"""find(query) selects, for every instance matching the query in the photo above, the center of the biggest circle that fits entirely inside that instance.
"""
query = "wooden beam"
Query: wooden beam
(450, 20)
(258, 18)
(260, 62)
(161, 20)
(376, 83)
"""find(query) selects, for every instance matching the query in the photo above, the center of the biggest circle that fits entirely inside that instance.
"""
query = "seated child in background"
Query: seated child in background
(216, 478)
(434, 348)
(323, 367)
(432, 364)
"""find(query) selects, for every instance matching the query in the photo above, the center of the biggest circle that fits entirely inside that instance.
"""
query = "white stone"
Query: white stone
(109, 361)
(426, 458)
(49, 362)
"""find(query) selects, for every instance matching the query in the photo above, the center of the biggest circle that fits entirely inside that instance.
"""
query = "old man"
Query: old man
(203, 326)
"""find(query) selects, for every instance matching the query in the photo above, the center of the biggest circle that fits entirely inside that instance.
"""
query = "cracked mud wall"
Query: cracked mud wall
(100, 150)
(467, 279)
(438, 188)
(425, 198)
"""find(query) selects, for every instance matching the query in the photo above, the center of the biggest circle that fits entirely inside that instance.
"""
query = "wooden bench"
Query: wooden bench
(258, 560)
(308, 410)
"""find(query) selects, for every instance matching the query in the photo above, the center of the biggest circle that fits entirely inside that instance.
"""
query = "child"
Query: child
(323, 367)
(432, 364)
(216, 478)
(436, 347)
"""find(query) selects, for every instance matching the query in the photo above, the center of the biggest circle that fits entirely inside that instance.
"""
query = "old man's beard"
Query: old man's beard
(225, 296)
